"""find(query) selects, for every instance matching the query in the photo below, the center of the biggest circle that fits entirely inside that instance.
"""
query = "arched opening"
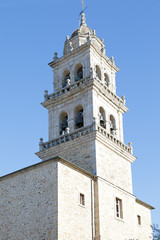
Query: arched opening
(66, 78)
(102, 117)
(98, 72)
(79, 121)
(112, 125)
(79, 72)
(63, 123)
(106, 79)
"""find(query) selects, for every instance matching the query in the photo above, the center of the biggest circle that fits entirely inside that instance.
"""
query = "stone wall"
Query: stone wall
(74, 220)
(113, 167)
(126, 228)
(80, 151)
(28, 204)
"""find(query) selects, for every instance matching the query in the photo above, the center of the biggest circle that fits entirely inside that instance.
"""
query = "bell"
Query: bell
(80, 75)
(111, 126)
(79, 120)
(101, 119)
(64, 126)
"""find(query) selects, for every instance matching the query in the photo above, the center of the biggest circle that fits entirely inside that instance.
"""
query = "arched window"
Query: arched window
(102, 117)
(79, 121)
(66, 78)
(106, 79)
(63, 123)
(112, 125)
(79, 72)
(98, 72)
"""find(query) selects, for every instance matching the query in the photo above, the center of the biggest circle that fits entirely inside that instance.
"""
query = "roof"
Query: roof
(58, 159)
(144, 204)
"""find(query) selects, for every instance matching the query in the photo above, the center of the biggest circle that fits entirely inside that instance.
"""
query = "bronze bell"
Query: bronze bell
(101, 119)
(79, 120)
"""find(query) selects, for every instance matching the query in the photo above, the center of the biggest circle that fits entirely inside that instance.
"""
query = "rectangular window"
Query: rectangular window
(82, 199)
(119, 212)
(139, 219)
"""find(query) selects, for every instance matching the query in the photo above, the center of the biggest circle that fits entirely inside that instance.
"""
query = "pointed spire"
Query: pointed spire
(83, 20)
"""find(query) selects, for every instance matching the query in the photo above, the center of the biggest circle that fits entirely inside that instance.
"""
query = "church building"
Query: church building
(82, 188)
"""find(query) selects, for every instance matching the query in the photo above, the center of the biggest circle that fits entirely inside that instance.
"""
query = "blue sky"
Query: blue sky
(30, 32)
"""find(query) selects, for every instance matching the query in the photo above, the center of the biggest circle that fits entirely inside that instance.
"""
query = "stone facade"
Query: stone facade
(86, 192)
(28, 203)
(42, 202)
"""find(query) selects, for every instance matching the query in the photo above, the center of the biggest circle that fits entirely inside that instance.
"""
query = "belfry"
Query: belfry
(82, 188)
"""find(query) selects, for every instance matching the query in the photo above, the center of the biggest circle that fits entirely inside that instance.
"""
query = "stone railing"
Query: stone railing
(81, 132)
(66, 137)
(108, 92)
(115, 140)
(65, 89)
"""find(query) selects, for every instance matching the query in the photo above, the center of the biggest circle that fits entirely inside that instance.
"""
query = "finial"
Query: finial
(46, 95)
(70, 47)
(55, 56)
(41, 147)
(112, 59)
(83, 20)
(131, 148)
(67, 38)
(123, 99)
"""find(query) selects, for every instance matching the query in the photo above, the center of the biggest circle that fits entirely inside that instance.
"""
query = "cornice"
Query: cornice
(84, 85)
(67, 56)
(91, 132)
(79, 49)
(144, 204)
(108, 94)
(67, 95)
(115, 147)
(111, 64)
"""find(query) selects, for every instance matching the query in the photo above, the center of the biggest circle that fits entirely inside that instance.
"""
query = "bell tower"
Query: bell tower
(85, 114)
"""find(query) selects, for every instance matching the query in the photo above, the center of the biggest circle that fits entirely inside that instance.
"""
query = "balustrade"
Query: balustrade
(82, 132)
(109, 93)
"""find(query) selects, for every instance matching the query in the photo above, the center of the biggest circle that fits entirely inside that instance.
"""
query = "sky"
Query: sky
(30, 33)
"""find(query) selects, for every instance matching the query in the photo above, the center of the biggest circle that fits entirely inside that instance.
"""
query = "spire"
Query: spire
(83, 20)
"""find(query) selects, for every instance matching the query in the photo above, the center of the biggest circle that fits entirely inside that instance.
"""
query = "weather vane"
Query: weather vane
(83, 7)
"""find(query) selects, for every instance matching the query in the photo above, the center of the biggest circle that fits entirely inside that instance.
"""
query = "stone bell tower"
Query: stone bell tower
(82, 188)
(85, 114)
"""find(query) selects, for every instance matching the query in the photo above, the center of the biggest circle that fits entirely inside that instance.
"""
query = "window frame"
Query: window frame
(139, 220)
(82, 200)
(118, 208)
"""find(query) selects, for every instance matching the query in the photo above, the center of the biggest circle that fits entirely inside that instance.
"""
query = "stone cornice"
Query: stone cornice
(96, 133)
(66, 57)
(111, 64)
(77, 51)
(144, 204)
(84, 85)
(115, 145)
(107, 93)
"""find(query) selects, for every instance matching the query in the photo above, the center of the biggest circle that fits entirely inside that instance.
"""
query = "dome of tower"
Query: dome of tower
(82, 30)
(78, 37)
